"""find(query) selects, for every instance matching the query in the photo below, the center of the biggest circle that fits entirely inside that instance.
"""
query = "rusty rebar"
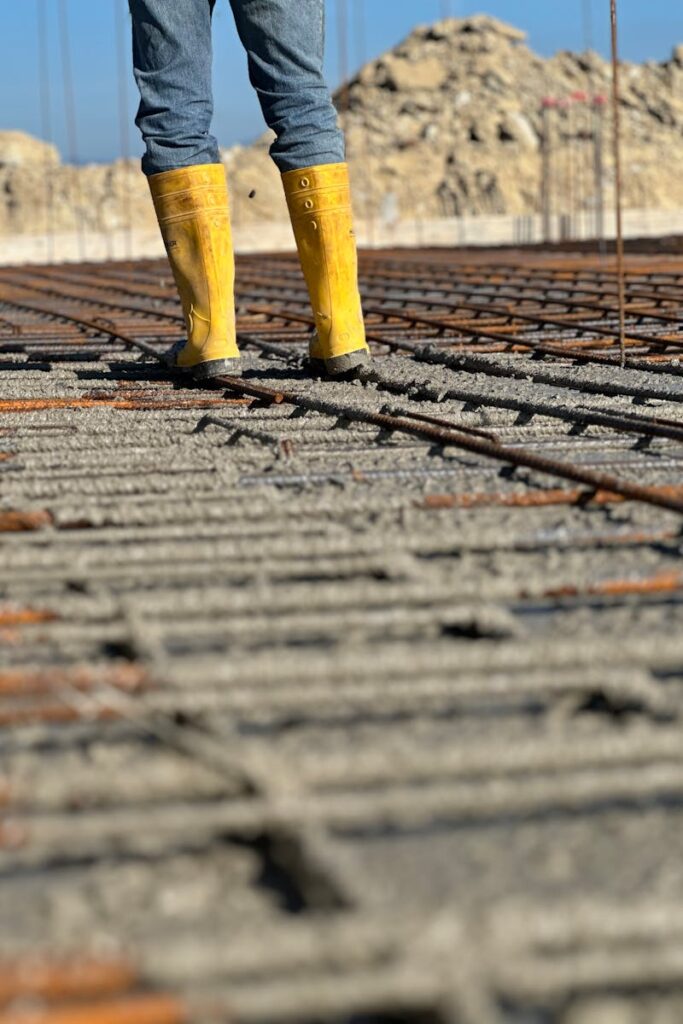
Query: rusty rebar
(419, 310)
(616, 100)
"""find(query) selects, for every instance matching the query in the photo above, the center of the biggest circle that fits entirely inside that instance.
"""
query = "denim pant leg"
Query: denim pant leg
(285, 40)
(172, 55)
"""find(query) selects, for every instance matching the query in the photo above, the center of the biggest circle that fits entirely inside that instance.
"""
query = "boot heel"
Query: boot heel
(217, 368)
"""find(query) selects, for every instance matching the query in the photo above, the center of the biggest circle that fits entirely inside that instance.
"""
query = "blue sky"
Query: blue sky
(648, 30)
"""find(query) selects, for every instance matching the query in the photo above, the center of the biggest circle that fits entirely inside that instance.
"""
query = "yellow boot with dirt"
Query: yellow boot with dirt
(192, 208)
(319, 201)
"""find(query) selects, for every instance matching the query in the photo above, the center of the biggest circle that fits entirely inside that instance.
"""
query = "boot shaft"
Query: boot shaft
(319, 201)
(192, 208)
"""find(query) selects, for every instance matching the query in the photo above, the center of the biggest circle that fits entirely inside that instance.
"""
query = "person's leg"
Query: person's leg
(172, 65)
(172, 58)
(284, 40)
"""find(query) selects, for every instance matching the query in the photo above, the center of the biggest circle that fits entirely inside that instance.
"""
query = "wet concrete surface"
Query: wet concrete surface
(302, 741)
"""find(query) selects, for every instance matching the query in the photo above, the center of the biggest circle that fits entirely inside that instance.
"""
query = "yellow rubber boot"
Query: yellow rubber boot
(192, 208)
(319, 200)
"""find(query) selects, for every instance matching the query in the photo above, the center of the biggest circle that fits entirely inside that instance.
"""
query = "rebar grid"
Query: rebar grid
(343, 702)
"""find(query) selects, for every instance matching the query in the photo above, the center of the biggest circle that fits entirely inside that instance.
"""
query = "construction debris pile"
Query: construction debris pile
(448, 123)
(344, 703)
(454, 122)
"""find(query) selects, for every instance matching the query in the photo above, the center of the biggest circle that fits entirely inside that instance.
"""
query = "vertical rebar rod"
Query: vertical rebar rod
(70, 114)
(547, 171)
(342, 52)
(46, 127)
(571, 169)
(599, 170)
(369, 191)
(616, 93)
(124, 133)
(579, 198)
(564, 173)
(587, 17)
(590, 211)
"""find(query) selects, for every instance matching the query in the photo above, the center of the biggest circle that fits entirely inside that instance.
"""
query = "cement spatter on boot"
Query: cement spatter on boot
(192, 208)
(319, 201)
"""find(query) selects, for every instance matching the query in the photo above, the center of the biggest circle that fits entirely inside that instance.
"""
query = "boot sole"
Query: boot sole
(231, 367)
(344, 367)
(217, 368)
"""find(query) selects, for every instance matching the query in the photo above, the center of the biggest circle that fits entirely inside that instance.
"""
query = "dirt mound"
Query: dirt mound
(450, 122)
(39, 194)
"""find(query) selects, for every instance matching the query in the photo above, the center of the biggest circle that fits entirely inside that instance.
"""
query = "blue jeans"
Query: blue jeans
(172, 56)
